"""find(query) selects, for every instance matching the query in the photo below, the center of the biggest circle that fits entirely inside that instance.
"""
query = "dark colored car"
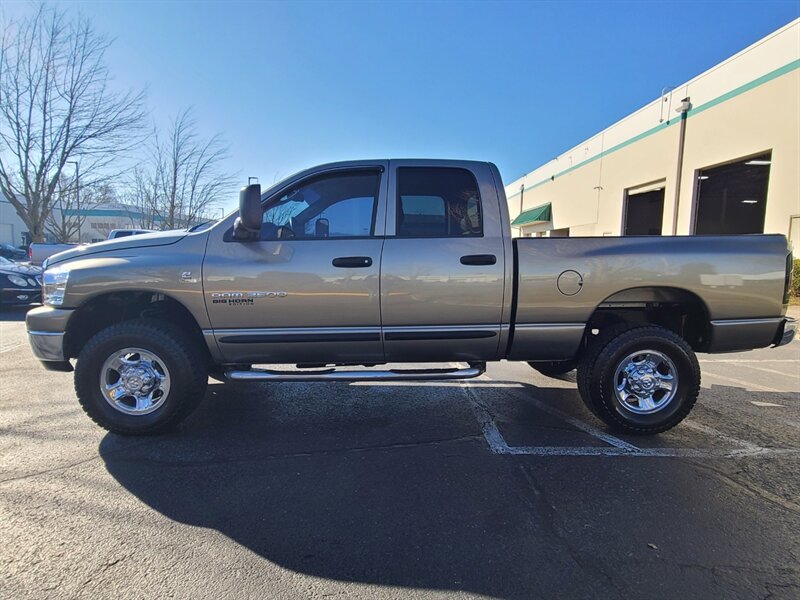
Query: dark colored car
(10, 252)
(19, 284)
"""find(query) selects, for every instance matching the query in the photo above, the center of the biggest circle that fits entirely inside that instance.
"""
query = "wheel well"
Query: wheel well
(678, 310)
(107, 309)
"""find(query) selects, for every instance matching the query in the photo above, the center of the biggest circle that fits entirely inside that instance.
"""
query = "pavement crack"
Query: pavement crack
(281, 455)
(541, 506)
(753, 490)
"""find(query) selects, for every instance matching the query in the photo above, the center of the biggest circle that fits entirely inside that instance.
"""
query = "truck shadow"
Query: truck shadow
(370, 486)
(389, 486)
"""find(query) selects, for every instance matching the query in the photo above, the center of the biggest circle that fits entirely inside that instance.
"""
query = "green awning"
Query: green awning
(534, 216)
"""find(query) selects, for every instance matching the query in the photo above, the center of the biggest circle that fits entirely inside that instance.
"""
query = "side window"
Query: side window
(328, 206)
(437, 202)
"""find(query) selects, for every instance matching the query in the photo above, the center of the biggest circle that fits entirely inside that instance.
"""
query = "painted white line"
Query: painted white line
(690, 424)
(745, 384)
(772, 371)
(765, 404)
(648, 452)
(748, 360)
(577, 423)
(10, 348)
(498, 445)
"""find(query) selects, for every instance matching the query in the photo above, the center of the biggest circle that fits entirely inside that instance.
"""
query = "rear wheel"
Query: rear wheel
(644, 380)
(140, 377)
(553, 368)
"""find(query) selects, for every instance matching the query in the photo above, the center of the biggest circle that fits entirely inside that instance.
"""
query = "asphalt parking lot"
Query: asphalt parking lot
(502, 487)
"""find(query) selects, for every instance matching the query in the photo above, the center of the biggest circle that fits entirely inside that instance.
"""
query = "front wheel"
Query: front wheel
(644, 380)
(140, 377)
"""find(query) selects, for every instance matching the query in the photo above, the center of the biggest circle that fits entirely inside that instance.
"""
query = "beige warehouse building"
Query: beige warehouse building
(717, 154)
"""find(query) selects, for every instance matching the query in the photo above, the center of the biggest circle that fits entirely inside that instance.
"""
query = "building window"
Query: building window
(644, 212)
(732, 198)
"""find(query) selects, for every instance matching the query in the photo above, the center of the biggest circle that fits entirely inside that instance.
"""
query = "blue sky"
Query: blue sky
(294, 84)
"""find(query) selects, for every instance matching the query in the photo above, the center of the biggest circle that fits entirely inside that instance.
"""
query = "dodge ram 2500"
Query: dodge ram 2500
(347, 266)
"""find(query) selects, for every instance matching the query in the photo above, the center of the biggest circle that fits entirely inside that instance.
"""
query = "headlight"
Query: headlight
(55, 284)
(17, 280)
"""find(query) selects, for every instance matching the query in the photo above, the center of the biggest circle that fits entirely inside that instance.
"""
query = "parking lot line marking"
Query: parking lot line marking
(748, 360)
(773, 371)
(745, 384)
(577, 423)
(649, 452)
(691, 424)
(8, 349)
(498, 445)
(765, 403)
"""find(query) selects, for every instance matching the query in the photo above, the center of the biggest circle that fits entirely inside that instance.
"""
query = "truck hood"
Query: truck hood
(145, 240)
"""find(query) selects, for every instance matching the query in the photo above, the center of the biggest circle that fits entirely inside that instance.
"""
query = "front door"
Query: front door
(443, 269)
(308, 290)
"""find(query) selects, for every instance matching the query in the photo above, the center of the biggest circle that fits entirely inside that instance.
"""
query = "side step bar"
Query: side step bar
(474, 370)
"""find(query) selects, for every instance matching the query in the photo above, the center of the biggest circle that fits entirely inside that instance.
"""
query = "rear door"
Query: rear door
(442, 273)
(308, 290)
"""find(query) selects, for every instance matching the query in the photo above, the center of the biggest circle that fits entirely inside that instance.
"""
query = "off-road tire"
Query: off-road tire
(596, 378)
(187, 364)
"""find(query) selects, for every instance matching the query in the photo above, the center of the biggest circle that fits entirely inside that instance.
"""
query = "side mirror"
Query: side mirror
(322, 228)
(248, 223)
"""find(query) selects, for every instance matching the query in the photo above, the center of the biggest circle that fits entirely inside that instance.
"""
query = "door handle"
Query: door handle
(478, 259)
(352, 262)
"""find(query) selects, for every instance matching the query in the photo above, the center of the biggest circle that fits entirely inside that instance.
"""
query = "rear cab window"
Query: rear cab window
(438, 202)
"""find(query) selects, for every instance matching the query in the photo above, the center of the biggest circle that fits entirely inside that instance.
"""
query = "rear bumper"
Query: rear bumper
(786, 333)
(734, 335)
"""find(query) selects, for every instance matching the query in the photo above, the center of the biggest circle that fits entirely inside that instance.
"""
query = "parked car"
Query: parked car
(119, 233)
(403, 261)
(19, 283)
(10, 252)
(38, 252)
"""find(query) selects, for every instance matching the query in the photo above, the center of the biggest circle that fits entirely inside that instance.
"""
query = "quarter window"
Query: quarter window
(437, 202)
(329, 206)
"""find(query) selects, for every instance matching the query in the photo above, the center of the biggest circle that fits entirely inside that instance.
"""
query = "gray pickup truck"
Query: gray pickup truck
(348, 266)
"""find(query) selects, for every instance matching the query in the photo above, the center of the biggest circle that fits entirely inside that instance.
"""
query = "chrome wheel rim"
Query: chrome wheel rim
(134, 381)
(645, 381)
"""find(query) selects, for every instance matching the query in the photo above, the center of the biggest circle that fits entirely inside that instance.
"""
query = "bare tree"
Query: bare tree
(142, 198)
(184, 179)
(56, 105)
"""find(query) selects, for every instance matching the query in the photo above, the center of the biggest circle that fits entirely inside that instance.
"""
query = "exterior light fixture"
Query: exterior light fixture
(758, 162)
(749, 201)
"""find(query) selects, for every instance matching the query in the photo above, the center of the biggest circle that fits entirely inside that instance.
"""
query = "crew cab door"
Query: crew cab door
(308, 289)
(443, 268)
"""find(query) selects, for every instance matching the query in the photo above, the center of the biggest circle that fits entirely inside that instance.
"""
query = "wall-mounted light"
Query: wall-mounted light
(758, 162)
(703, 177)
(749, 201)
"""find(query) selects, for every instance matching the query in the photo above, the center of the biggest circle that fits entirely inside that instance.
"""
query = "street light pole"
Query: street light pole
(77, 194)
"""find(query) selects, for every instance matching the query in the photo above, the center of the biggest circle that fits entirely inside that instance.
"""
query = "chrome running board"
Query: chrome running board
(474, 370)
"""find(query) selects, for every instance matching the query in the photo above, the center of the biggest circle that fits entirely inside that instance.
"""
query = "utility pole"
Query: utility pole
(77, 194)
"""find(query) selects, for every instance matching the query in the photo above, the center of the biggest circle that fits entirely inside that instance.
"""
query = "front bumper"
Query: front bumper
(46, 345)
(20, 295)
(46, 328)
